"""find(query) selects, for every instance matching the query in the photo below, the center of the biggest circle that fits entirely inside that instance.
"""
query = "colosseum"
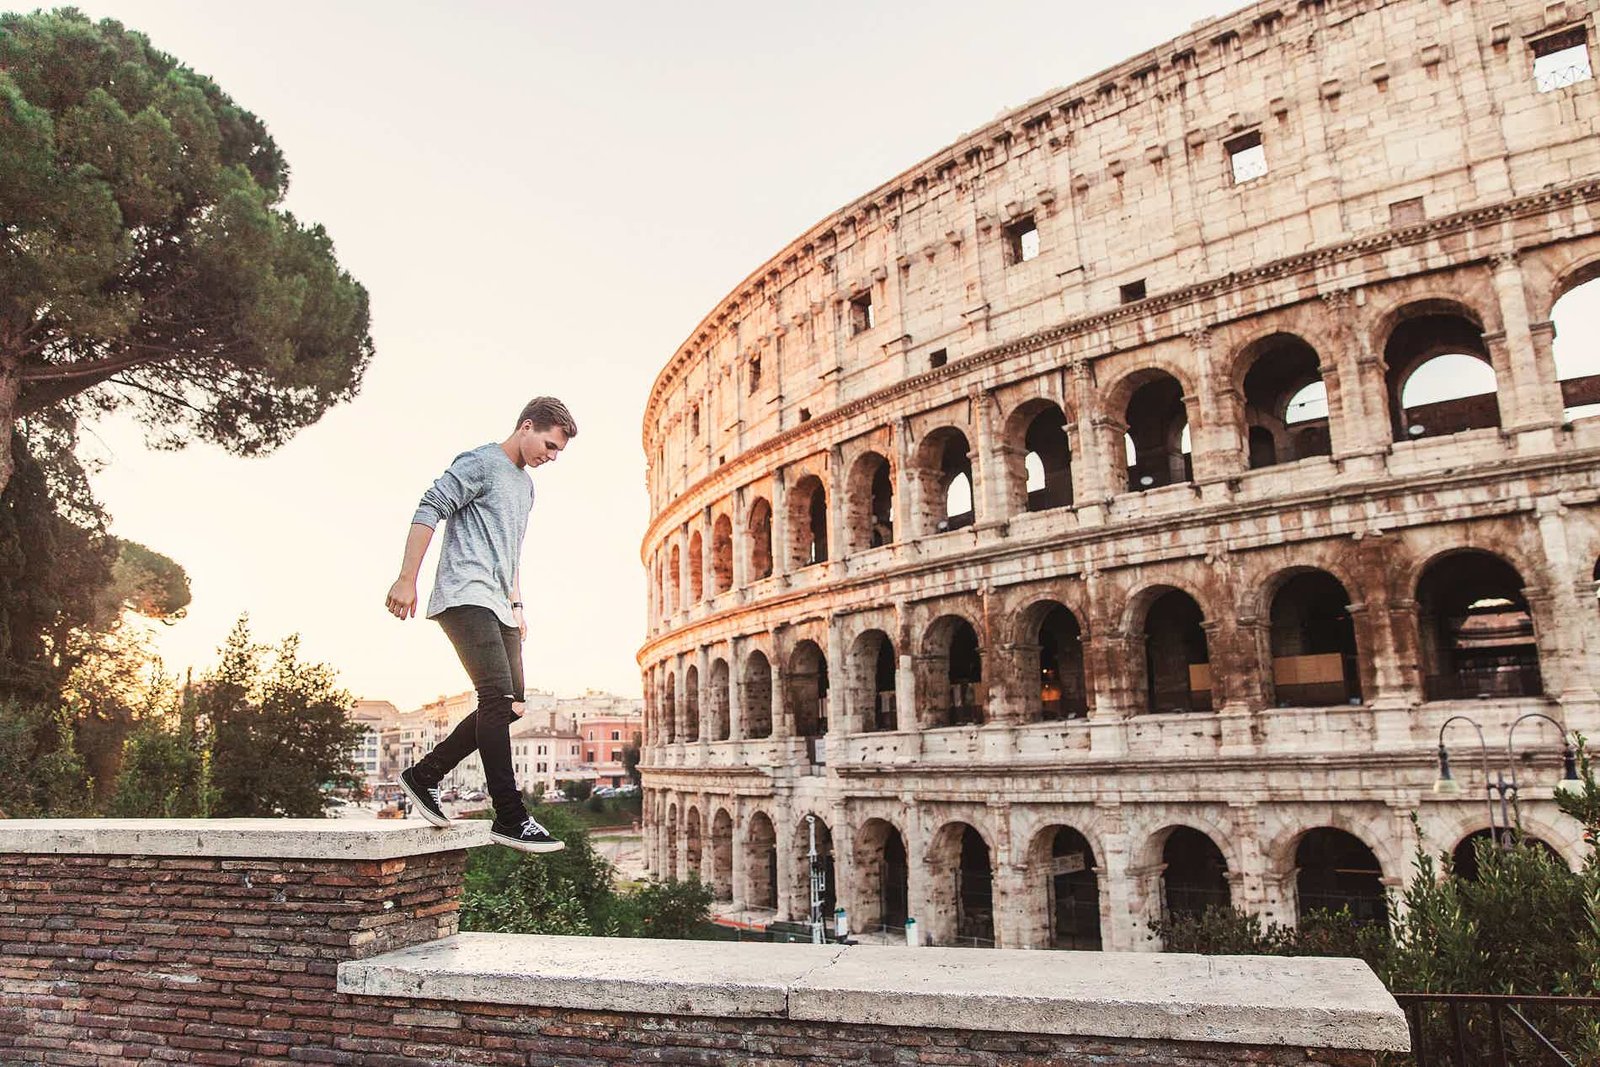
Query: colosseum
(1105, 517)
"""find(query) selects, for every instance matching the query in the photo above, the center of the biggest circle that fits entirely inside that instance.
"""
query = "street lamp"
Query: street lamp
(1499, 785)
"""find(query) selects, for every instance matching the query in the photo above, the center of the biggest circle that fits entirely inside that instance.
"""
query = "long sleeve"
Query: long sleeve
(453, 490)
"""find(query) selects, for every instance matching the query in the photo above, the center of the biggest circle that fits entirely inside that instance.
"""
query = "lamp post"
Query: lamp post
(1500, 785)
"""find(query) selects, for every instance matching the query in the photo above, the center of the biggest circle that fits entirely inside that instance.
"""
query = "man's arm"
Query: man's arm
(402, 600)
(516, 599)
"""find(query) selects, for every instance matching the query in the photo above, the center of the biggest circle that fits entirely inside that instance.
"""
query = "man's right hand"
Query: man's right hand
(402, 599)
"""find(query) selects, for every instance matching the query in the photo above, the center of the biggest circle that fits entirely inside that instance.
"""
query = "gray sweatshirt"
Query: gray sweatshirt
(486, 499)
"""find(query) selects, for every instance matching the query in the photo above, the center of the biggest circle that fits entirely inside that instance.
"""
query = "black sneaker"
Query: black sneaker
(426, 798)
(528, 837)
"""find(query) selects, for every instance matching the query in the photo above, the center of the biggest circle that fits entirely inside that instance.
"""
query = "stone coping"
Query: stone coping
(264, 839)
(1251, 1000)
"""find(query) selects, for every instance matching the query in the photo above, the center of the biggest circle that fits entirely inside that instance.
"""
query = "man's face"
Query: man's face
(541, 446)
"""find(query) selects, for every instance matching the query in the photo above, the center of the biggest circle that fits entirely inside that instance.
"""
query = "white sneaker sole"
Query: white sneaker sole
(526, 846)
(422, 809)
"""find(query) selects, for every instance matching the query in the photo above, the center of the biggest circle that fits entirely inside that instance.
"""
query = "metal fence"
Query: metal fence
(1493, 1030)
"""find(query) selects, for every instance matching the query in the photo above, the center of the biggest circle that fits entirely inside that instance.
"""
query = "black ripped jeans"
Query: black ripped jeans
(492, 655)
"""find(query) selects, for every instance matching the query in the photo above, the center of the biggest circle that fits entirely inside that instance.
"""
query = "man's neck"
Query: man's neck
(514, 454)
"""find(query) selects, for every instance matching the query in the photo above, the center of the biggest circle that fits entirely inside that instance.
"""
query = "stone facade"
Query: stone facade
(1057, 524)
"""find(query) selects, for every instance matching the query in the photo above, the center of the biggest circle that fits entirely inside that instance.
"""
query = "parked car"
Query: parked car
(450, 794)
(554, 796)
(604, 791)
(627, 790)
(474, 795)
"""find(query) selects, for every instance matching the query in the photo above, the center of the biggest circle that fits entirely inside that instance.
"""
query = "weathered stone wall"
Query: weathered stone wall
(151, 942)
(1423, 195)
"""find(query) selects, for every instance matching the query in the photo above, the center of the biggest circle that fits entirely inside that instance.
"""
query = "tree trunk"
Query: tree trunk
(10, 391)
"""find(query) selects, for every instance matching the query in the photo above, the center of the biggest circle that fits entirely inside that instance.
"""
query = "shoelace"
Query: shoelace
(433, 794)
(533, 824)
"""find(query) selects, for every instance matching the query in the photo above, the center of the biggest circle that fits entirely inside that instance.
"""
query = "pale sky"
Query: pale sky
(540, 198)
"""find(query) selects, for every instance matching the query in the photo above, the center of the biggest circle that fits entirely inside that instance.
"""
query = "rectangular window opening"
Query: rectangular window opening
(755, 374)
(862, 317)
(1407, 212)
(1132, 292)
(1022, 241)
(938, 358)
(1247, 156)
(694, 421)
(1561, 59)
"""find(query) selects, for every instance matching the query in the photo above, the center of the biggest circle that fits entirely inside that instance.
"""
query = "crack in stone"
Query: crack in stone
(788, 990)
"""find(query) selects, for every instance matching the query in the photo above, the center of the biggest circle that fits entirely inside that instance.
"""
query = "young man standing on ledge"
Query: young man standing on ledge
(484, 500)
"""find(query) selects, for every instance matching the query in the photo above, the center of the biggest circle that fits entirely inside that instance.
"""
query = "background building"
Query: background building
(1103, 517)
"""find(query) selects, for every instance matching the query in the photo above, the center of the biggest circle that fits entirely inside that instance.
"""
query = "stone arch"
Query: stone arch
(761, 862)
(1475, 628)
(1038, 460)
(760, 534)
(697, 568)
(882, 872)
(669, 706)
(806, 686)
(941, 465)
(1574, 306)
(675, 567)
(1172, 650)
(962, 873)
(693, 844)
(1315, 661)
(1447, 337)
(691, 703)
(1062, 858)
(1464, 856)
(1050, 659)
(672, 841)
(1285, 399)
(755, 698)
(872, 671)
(721, 554)
(1155, 420)
(1194, 872)
(950, 674)
(869, 502)
(808, 522)
(719, 728)
(722, 855)
(1334, 868)
(800, 851)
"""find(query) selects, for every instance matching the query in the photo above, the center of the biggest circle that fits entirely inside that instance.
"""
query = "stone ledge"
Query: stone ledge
(263, 839)
(1249, 1000)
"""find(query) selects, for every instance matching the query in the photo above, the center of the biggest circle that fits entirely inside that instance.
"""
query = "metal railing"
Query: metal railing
(1468, 683)
(1494, 1030)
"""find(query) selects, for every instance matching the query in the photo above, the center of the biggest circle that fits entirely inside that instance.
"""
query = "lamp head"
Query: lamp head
(1446, 785)
(1570, 784)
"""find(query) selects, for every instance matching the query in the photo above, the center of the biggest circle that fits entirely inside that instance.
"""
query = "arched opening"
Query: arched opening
(951, 674)
(1194, 875)
(761, 862)
(808, 522)
(1285, 401)
(755, 701)
(1074, 905)
(1440, 379)
(1056, 658)
(1177, 662)
(1335, 870)
(1475, 630)
(943, 474)
(669, 704)
(1038, 460)
(822, 871)
(693, 852)
(1158, 435)
(963, 879)
(675, 565)
(873, 670)
(672, 842)
(1464, 857)
(718, 725)
(807, 686)
(691, 704)
(1576, 349)
(883, 875)
(869, 503)
(696, 569)
(760, 540)
(1313, 643)
(722, 855)
(722, 555)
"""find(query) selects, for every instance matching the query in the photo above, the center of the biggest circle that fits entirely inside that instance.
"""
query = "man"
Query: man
(484, 500)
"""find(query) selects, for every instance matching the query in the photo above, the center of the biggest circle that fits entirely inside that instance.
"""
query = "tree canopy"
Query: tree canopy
(145, 258)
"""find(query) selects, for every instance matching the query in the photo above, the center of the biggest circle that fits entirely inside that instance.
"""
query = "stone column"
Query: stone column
(741, 858)
(903, 530)
(1117, 930)
(838, 544)
(735, 690)
(1530, 396)
(1216, 437)
(1565, 619)
(838, 689)
(1090, 461)
(993, 509)
(741, 543)
(787, 868)
(1360, 423)
(702, 658)
(780, 524)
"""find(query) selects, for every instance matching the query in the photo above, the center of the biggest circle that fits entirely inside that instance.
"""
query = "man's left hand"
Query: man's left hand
(522, 624)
